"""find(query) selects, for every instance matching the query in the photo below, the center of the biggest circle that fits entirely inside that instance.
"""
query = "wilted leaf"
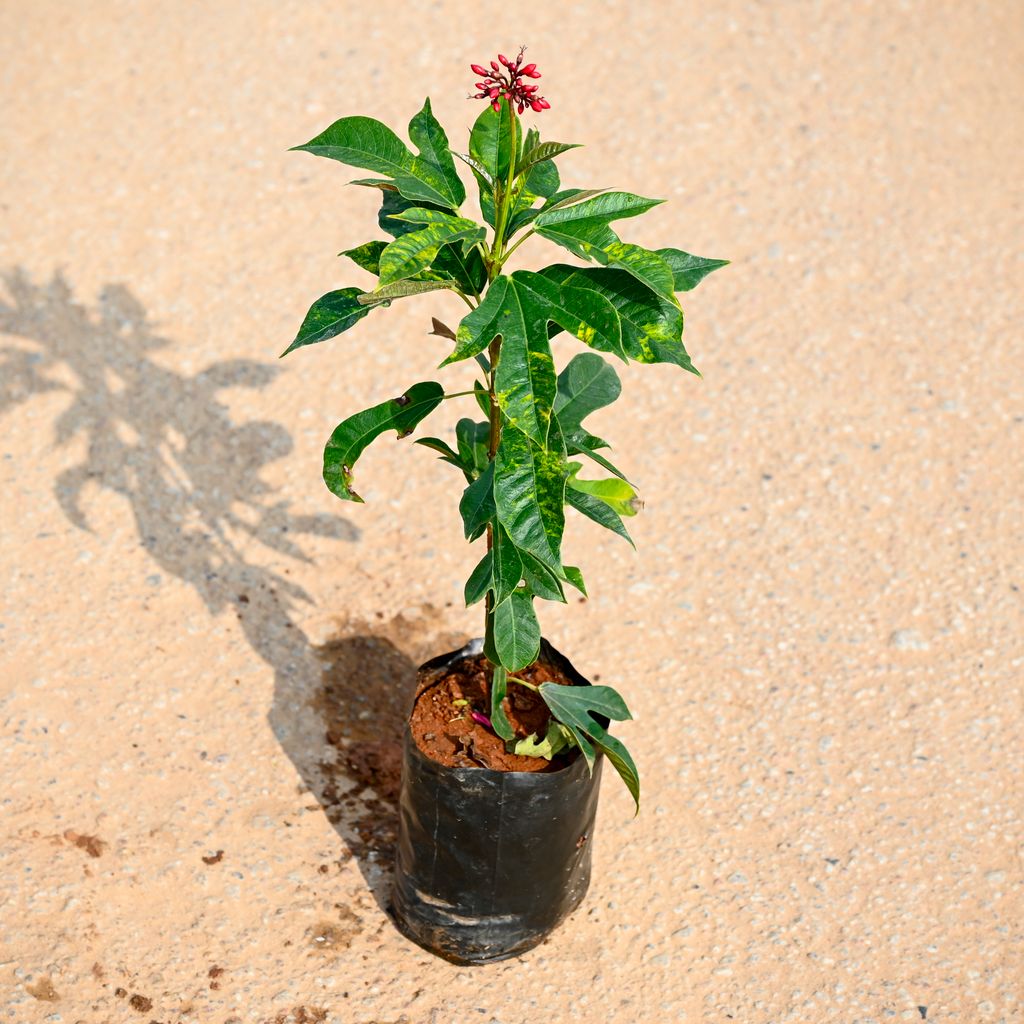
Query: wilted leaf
(556, 739)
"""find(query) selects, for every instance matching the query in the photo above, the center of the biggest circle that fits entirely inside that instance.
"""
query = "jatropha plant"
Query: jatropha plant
(524, 462)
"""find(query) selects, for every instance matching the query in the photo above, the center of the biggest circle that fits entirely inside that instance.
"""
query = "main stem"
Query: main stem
(494, 351)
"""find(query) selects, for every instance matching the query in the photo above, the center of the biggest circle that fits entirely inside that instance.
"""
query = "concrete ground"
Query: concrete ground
(821, 633)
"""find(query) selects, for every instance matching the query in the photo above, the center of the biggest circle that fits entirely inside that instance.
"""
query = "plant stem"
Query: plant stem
(493, 353)
(514, 247)
(501, 221)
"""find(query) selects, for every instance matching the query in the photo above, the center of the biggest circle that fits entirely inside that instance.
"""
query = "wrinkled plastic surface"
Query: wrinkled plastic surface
(489, 863)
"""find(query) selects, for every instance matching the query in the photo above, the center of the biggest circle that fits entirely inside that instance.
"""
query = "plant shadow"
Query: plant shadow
(168, 443)
(361, 702)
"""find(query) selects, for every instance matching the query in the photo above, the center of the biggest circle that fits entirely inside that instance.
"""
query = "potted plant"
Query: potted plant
(504, 747)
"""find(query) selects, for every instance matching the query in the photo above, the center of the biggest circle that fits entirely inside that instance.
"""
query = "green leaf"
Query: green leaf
(480, 326)
(479, 581)
(494, 144)
(530, 141)
(575, 577)
(499, 720)
(586, 446)
(688, 271)
(586, 384)
(495, 141)
(570, 197)
(652, 327)
(584, 230)
(575, 707)
(466, 271)
(481, 395)
(383, 184)
(574, 704)
(525, 374)
(529, 494)
(583, 226)
(351, 437)
(516, 631)
(447, 453)
(519, 308)
(555, 202)
(524, 379)
(366, 255)
(599, 511)
(534, 179)
(477, 504)
(540, 580)
(413, 252)
(367, 143)
(533, 155)
(506, 565)
(485, 186)
(647, 267)
(556, 739)
(329, 316)
(429, 138)
(616, 493)
(393, 205)
(616, 752)
(473, 439)
(431, 215)
(401, 290)
(477, 168)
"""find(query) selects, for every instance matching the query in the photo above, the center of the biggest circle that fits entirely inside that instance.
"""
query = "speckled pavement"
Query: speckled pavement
(821, 633)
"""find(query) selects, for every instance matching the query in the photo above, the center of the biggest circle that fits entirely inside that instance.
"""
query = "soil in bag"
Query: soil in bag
(445, 730)
(494, 849)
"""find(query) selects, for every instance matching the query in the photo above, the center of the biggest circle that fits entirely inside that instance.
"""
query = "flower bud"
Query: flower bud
(544, 105)
(504, 60)
(496, 105)
(522, 107)
(494, 64)
(477, 70)
(535, 105)
(494, 93)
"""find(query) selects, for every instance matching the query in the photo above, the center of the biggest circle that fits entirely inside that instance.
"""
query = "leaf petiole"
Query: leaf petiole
(509, 252)
(523, 682)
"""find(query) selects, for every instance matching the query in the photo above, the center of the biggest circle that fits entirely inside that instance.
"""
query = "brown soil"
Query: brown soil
(447, 733)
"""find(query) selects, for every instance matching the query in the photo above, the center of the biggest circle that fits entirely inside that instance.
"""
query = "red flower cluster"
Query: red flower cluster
(495, 84)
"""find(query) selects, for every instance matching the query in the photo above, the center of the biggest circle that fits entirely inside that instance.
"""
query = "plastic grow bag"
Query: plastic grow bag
(489, 863)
